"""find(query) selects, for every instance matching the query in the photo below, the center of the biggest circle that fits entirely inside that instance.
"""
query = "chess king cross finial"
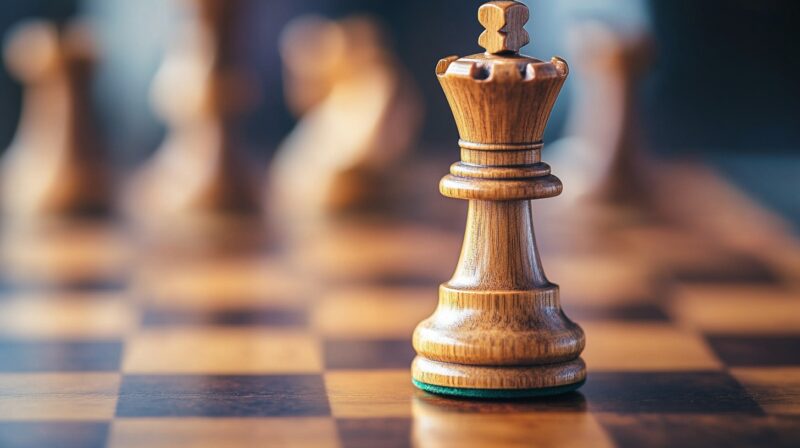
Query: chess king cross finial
(505, 26)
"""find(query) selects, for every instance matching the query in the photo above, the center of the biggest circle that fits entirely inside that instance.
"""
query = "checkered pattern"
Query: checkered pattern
(314, 351)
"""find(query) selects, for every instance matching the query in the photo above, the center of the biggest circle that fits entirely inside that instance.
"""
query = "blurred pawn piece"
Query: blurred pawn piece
(200, 181)
(56, 168)
(56, 179)
(359, 115)
(602, 155)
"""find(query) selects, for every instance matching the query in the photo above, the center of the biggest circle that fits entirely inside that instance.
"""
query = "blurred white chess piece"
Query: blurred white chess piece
(600, 157)
(56, 166)
(201, 174)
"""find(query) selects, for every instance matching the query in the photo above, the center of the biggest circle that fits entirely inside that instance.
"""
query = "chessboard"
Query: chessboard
(694, 342)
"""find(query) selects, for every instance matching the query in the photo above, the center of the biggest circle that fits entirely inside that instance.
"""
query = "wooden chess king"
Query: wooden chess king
(499, 330)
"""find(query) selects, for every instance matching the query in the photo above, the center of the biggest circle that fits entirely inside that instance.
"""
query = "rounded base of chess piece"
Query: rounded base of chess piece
(444, 378)
(498, 343)
(497, 394)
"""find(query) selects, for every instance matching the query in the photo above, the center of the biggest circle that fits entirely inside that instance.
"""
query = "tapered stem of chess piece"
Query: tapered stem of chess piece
(499, 330)
(55, 167)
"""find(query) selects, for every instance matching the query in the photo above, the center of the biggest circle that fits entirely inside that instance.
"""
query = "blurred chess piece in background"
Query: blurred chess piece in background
(201, 179)
(57, 194)
(602, 157)
(359, 115)
(658, 208)
(56, 168)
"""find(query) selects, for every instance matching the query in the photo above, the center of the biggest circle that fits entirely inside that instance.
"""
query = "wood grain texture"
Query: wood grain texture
(315, 432)
(499, 323)
(83, 396)
(777, 389)
(438, 425)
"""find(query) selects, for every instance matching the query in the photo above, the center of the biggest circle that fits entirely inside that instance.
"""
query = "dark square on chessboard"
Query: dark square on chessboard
(222, 396)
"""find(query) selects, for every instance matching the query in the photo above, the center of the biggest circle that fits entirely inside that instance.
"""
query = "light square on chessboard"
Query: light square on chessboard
(311, 432)
(373, 312)
(67, 315)
(649, 346)
(680, 430)
(215, 350)
(74, 254)
(502, 425)
(776, 389)
(83, 396)
(565, 230)
(213, 283)
(601, 280)
(737, 309)
(375, 250)
(689, 255)
(369, 393)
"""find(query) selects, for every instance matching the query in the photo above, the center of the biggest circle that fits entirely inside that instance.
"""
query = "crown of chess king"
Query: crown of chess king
(501, 102)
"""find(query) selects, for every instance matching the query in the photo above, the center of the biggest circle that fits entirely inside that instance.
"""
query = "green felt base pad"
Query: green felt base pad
(496, 393)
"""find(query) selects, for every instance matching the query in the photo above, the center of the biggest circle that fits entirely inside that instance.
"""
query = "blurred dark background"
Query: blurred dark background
(723, 86)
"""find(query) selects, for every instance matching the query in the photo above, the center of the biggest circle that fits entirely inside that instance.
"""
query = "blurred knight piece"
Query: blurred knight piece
(56, 166)
(201, 177)
(359, 115)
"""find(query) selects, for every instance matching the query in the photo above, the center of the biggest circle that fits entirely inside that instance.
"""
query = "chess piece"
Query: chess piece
(55, 167)
(499, 330)
(200, 178)
(602, 155)
(359, 114)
